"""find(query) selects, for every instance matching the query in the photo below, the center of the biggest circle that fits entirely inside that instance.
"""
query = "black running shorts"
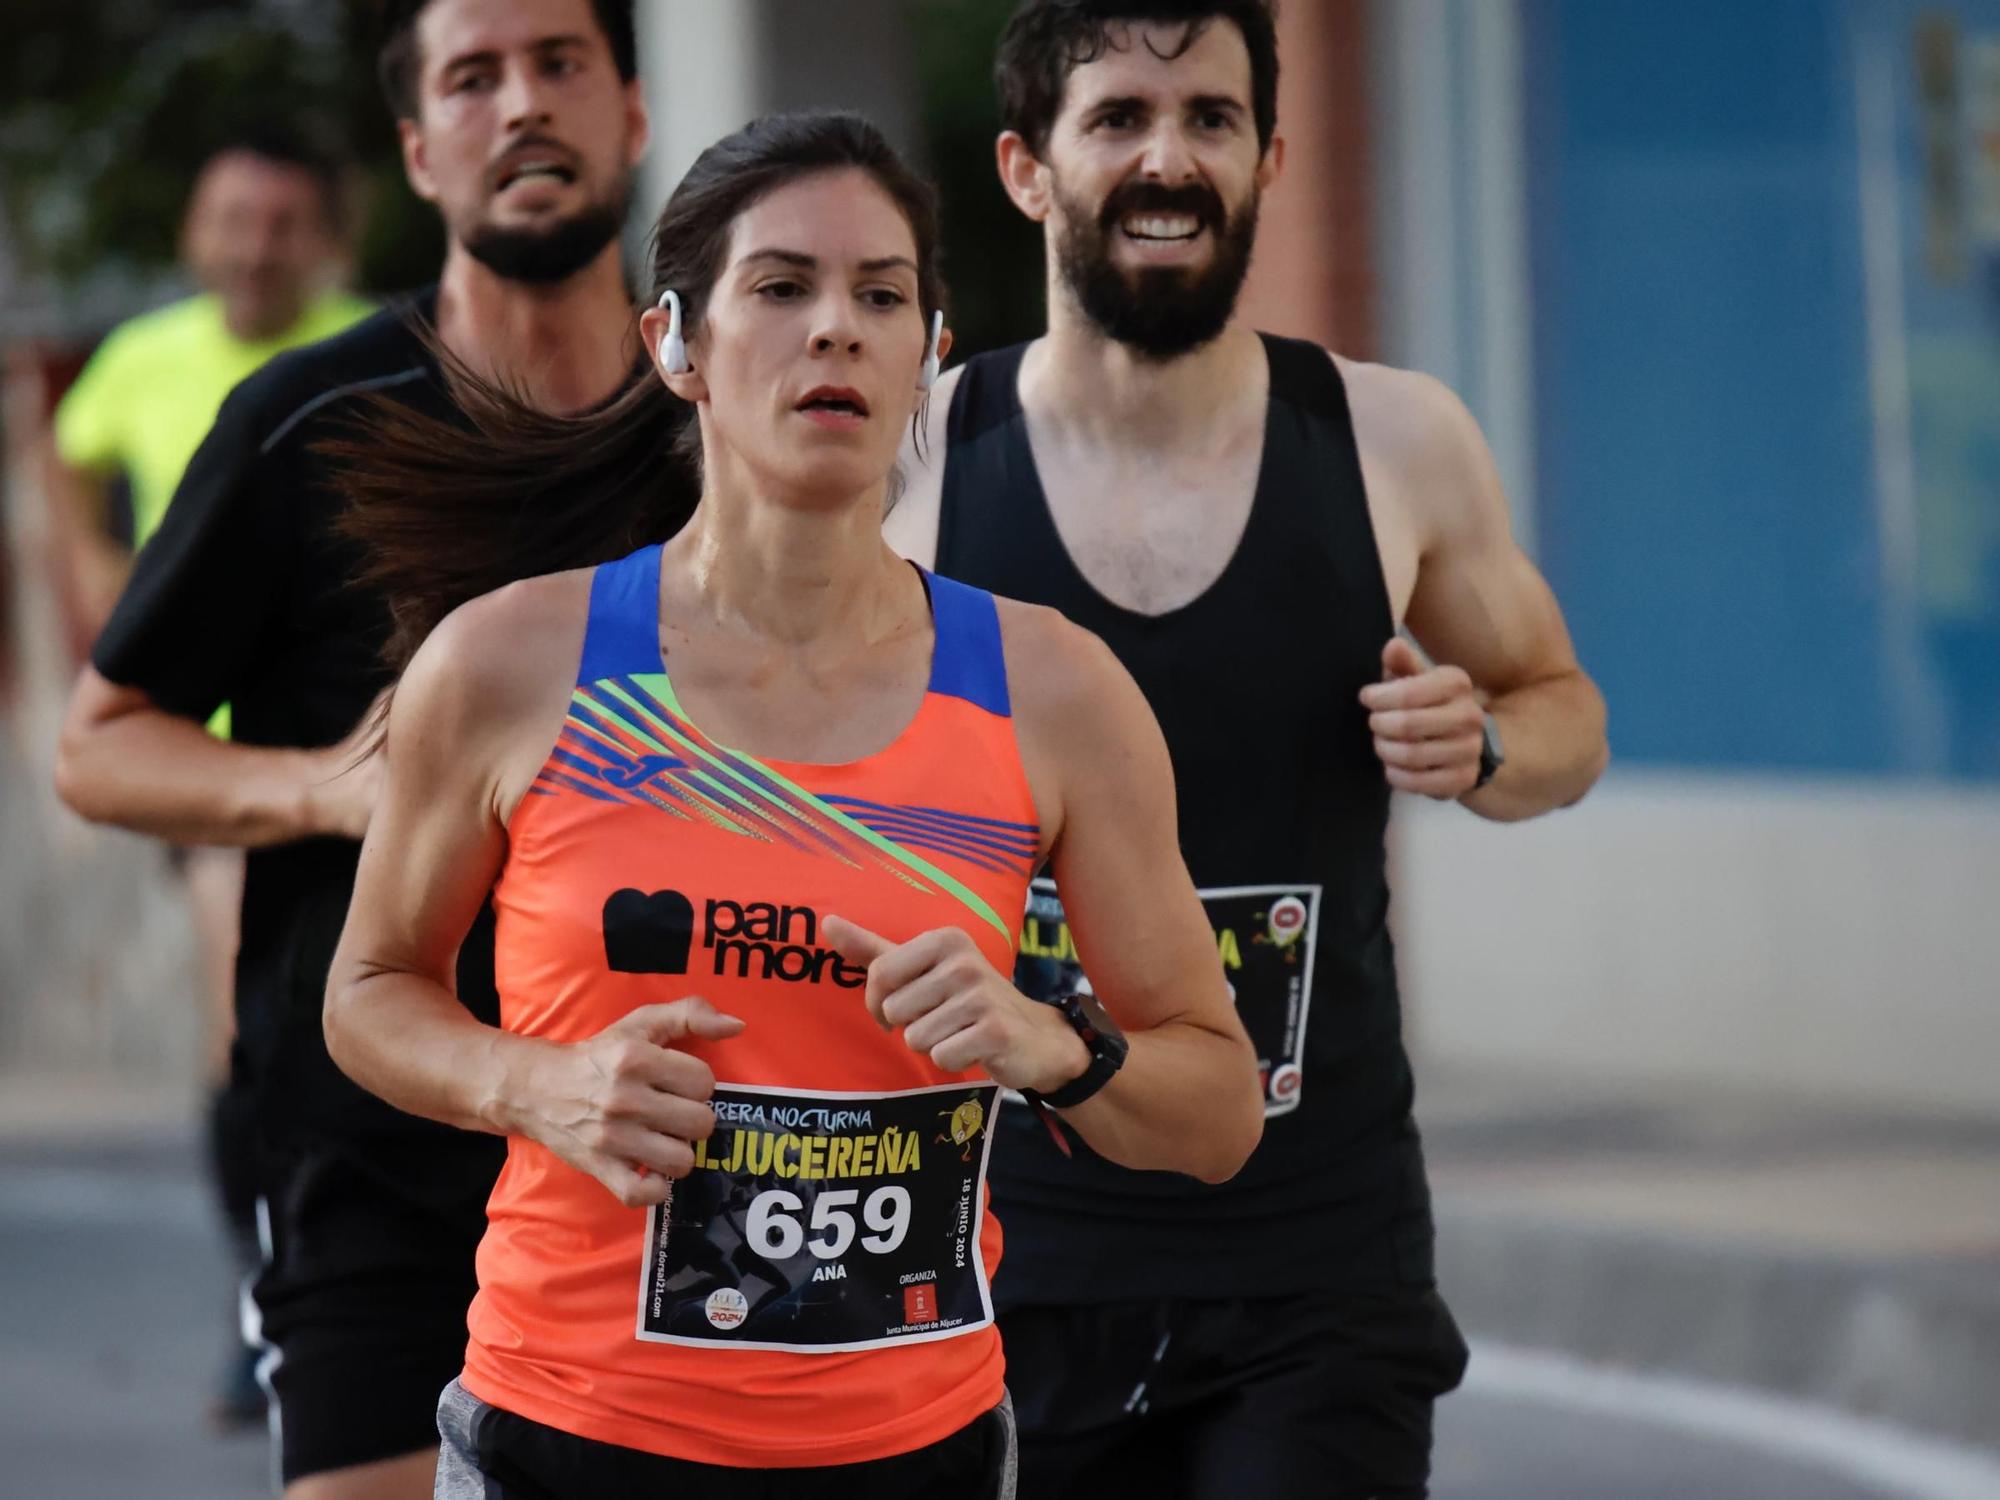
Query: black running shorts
(1281, 1398)
(361, 1306)
(490, 1454)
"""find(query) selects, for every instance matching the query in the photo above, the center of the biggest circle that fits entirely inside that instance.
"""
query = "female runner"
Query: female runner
(758, 808)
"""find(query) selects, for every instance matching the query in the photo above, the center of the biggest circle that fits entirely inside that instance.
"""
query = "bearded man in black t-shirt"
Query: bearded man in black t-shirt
(521, 120)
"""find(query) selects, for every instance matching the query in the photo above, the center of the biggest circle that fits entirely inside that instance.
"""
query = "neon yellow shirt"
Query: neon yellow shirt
(151, 391)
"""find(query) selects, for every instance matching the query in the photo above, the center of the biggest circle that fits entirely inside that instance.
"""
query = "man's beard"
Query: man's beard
(550, 253)
(1162, 312)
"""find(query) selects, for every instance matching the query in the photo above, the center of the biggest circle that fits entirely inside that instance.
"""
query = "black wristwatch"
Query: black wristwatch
(1491, 754)
(1107, 1047)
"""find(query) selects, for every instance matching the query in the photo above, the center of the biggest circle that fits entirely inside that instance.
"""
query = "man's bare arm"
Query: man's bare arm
(124, 760)
(92, 561)
(1480, 607)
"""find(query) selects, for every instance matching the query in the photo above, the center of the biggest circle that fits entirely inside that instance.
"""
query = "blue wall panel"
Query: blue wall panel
(1703, 410)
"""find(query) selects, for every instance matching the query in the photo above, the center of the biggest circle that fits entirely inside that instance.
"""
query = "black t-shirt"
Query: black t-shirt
(245, 596)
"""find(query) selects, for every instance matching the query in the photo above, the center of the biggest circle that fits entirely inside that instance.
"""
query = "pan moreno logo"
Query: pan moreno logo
(766, 940)
(655, 934)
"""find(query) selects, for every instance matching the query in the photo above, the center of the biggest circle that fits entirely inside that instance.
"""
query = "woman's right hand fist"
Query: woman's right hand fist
(627, 1105)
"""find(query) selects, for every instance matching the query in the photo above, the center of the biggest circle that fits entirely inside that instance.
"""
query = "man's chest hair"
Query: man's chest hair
(1148, 534)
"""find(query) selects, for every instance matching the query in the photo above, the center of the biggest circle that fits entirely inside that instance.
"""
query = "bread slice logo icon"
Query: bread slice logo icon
(648, 934)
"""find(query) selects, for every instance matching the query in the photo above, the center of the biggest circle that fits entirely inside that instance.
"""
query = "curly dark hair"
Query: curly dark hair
(1046, 39)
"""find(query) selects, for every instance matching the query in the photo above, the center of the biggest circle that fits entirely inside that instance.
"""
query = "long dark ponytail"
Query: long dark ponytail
(444, 514)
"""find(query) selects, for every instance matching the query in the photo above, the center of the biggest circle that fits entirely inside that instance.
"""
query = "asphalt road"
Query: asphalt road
(117, 1292)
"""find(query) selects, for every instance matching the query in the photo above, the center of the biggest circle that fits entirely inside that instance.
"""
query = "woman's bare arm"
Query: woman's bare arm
(470, 725)
(1188, 1096)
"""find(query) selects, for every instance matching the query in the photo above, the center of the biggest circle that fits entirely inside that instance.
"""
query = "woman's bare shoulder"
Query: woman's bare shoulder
(500, 658)
(1055, 668)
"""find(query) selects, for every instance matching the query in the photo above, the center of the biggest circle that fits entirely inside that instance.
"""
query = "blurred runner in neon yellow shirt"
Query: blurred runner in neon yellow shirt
(150, 393)
(265, 239)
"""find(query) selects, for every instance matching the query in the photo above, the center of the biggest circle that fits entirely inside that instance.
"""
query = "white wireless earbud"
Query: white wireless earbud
(673, 348)
(927, 377)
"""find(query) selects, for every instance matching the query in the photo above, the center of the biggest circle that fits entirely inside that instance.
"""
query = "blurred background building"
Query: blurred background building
(1722, 284)
(1721, 281)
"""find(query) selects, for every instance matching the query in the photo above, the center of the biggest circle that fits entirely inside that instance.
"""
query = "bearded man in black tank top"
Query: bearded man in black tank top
(1246, 520)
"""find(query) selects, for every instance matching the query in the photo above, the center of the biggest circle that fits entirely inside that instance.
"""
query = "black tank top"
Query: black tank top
(1283, 814)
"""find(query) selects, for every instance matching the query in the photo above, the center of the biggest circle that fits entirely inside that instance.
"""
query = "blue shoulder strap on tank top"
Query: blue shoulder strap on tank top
(623, 636)
(967, 660)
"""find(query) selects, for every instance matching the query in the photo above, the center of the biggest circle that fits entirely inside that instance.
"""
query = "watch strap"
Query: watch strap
(1491, 756)
(1107, 1055)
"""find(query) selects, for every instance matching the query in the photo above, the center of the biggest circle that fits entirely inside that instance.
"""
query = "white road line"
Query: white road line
(1906, 1464)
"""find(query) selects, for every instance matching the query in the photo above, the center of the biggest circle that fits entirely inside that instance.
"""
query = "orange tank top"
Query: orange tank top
(817, 1290)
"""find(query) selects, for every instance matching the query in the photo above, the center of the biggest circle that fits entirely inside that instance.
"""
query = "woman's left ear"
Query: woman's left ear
(940, 346)
(675, 367)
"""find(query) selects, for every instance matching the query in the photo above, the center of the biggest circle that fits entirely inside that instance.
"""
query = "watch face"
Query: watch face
(1099, 1017)
(1110, 1048)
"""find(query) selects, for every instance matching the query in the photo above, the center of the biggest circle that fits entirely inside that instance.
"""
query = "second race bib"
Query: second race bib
(1265, 935)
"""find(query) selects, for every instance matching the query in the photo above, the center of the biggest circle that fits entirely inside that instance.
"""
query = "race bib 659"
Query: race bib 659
(825, 1221)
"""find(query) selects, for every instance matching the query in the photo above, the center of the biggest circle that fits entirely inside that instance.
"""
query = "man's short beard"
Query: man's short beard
(550, 253)
(1161, 312)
